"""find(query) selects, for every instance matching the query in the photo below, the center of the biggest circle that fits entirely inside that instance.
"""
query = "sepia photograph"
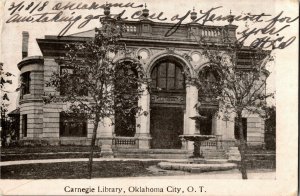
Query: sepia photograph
(149, 97)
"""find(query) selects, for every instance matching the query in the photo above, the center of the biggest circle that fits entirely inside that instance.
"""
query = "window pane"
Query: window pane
(153, 77)
(179, 79)
(24, 125)
(179, 75)
(153, 84)
(162, 70)
(167, 76)
(153, 74)
(171, 70)
(25, 78)
(162, 83)
(171, 83)
(179, 84)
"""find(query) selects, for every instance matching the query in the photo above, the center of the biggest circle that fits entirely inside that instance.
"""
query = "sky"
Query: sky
(11, 34)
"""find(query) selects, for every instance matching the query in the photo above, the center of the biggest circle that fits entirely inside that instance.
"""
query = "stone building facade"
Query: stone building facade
(169, 110)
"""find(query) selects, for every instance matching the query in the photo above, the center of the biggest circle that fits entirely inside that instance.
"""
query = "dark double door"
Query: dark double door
(166, 124)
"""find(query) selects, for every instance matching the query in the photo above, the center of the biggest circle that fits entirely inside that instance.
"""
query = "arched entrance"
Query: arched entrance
(126, 100)
(167, 104)
(208, 98)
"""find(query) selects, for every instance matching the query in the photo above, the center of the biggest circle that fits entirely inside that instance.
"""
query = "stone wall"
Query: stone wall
(255, 131)
(31, 104)
(51, 113)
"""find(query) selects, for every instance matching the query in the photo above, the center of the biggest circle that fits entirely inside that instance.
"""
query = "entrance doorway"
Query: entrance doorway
(167, 104)
(166, 126)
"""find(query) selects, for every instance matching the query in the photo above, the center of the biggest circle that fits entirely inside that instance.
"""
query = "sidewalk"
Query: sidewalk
(225, 174)
(213, 175)
(21, 162)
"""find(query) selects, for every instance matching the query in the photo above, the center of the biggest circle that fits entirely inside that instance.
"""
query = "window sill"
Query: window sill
(168, 91)
(72, 137)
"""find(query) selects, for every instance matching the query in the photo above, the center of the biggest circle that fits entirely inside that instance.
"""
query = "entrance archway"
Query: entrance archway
(126, 103)
(167, 104)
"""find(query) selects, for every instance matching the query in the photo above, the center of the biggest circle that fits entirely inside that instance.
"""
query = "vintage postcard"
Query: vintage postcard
(148, 97)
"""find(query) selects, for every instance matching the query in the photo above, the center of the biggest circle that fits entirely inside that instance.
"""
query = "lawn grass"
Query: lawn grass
(16, 157)
(77, 170)
(45, 149)
(46, 152)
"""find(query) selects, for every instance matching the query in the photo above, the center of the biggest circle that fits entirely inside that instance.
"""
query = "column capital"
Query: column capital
(147, 80)
(190, 82)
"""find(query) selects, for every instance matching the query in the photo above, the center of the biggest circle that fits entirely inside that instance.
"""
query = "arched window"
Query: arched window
(167, 75)
(126, 105)
(208, 76)
(208, 85)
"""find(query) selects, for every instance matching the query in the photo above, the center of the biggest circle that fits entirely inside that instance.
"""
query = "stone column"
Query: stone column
(143, 131)
(106, 136)
(190, 124)
(217, 129)
(216, 124)
(191, 111)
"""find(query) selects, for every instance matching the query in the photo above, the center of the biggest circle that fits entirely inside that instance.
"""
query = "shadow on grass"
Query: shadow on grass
(46, 156)
(46, 149)
(77, 170)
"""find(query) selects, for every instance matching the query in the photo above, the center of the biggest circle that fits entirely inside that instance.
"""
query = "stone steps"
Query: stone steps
(152, 153)
(167, 153)
(214, 154)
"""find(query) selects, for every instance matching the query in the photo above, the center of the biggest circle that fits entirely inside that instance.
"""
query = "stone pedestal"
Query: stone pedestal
(234, 154)
(105, 138)
(106, 147)
(144, 142)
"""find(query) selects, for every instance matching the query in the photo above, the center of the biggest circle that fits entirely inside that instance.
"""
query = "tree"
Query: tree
(4, 81)
(238, 89)
(94, 85)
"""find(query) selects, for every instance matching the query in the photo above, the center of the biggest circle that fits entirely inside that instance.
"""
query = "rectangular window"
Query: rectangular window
(68, 85)
(236, 128)
(72, 125)
(25, 79)
(24, 125)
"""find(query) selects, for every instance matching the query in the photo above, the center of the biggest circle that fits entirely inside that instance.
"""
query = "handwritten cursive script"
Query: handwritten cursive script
(270, 35)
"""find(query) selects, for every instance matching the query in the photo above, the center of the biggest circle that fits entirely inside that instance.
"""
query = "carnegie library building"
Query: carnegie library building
(170, 103)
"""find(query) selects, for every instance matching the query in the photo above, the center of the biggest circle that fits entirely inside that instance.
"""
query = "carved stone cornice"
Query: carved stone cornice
(190, 81)
(170, 50)
(31, 60)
